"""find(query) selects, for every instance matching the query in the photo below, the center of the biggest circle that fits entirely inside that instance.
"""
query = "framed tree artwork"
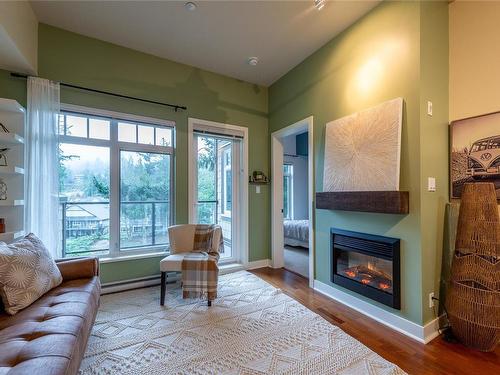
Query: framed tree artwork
(475, 152)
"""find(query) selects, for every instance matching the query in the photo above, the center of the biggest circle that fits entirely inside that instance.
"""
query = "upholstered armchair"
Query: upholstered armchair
(181, 243)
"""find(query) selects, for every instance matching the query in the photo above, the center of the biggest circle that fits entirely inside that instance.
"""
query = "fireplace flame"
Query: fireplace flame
(350, 273)
(384, 286)
(370, 275)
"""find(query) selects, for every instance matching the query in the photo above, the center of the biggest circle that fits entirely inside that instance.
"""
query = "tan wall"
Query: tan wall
(18, 37)
(474, 58)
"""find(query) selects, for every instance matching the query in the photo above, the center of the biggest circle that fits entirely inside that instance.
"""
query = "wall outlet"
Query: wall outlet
(431, 301)
(429, 108)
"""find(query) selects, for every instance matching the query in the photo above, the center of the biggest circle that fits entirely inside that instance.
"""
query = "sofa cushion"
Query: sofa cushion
(50, 336)
(27, 271)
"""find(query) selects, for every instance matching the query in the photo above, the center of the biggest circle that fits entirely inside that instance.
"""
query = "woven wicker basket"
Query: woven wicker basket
(473, 301)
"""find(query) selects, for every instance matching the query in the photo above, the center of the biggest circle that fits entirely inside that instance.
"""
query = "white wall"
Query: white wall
(289, 145)
(18, 37)
(300, 178)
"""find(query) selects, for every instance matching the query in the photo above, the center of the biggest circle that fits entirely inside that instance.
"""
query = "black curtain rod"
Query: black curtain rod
(220, 135)
(174, 106)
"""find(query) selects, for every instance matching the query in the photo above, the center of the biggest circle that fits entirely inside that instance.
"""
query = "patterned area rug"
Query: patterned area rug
(252, 328)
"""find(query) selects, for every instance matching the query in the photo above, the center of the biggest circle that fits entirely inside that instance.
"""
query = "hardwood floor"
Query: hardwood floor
(437, 357)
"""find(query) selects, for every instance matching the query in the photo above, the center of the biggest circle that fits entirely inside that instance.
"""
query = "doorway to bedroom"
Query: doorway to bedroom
(292, 164)
(295, 210)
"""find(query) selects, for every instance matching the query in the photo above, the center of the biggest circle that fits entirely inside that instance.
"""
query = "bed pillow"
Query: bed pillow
(27, 271)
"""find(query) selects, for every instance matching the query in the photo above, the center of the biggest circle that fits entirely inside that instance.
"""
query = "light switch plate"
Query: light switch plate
(431, 184)
(257, 189)
(429, 108)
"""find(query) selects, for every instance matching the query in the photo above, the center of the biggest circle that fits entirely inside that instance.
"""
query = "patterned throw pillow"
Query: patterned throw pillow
(27, 271)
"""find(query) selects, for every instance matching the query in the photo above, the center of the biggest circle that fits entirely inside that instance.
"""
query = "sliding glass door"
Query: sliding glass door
(217, 166)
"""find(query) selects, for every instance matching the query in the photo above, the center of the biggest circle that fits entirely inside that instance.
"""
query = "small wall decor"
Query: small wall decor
(3, 157)
(475, 152)
(258, 177)
(3, 190)
(362, 150)
(473, 298)
(2, 225)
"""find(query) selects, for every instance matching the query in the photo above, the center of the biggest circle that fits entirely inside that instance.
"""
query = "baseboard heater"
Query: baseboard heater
(143, 282)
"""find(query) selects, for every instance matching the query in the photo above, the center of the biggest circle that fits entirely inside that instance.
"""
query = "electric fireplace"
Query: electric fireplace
(368, 265)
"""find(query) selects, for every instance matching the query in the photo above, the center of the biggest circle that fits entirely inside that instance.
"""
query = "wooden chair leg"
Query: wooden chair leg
(163, 288)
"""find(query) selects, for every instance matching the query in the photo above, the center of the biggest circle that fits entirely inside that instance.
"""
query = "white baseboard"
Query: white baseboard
(258, 264)
(423, 334)
(431, 329)
(230, 268)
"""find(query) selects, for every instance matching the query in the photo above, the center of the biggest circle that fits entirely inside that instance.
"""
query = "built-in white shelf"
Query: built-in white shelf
(8, 170)
(13, 116)
(12, 202)
(11, 139)
(11, 236)
(9, 105)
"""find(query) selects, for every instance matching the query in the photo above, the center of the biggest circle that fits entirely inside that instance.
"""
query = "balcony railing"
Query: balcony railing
(208, 213)
(85, 226)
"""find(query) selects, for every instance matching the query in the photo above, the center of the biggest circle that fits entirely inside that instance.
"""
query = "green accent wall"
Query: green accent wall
(76, 59)
(12, 88)
(375, 60)
(434, 153)
(399, 49)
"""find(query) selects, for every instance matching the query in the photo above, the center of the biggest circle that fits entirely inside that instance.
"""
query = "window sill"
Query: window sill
(125, 258)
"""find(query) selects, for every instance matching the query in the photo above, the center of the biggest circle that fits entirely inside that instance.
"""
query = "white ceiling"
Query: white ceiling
(218, 36)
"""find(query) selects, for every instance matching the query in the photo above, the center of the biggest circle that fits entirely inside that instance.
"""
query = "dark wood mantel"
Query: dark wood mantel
(386, 202)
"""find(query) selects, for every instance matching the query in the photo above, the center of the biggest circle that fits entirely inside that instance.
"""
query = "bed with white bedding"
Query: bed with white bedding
(296, 232)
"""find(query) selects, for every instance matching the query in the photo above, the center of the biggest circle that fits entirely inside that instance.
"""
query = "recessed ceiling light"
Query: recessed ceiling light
(253, 61)
(190, 6)
(319, 4)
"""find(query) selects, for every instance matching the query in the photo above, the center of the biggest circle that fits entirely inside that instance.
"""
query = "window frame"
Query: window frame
(289, 195)
(115, 148)
(124, 146)
(227, 151)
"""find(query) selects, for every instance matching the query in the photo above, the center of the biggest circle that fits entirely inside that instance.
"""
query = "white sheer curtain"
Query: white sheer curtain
(42, 163)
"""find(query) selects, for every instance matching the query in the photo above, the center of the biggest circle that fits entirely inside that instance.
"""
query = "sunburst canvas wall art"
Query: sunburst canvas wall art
(362, 150)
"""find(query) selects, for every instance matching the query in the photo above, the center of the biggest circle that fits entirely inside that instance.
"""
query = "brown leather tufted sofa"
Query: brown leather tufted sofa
(50, 336)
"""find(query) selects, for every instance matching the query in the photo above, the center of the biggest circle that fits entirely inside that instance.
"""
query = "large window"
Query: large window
(116, 184)
(288, 191)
